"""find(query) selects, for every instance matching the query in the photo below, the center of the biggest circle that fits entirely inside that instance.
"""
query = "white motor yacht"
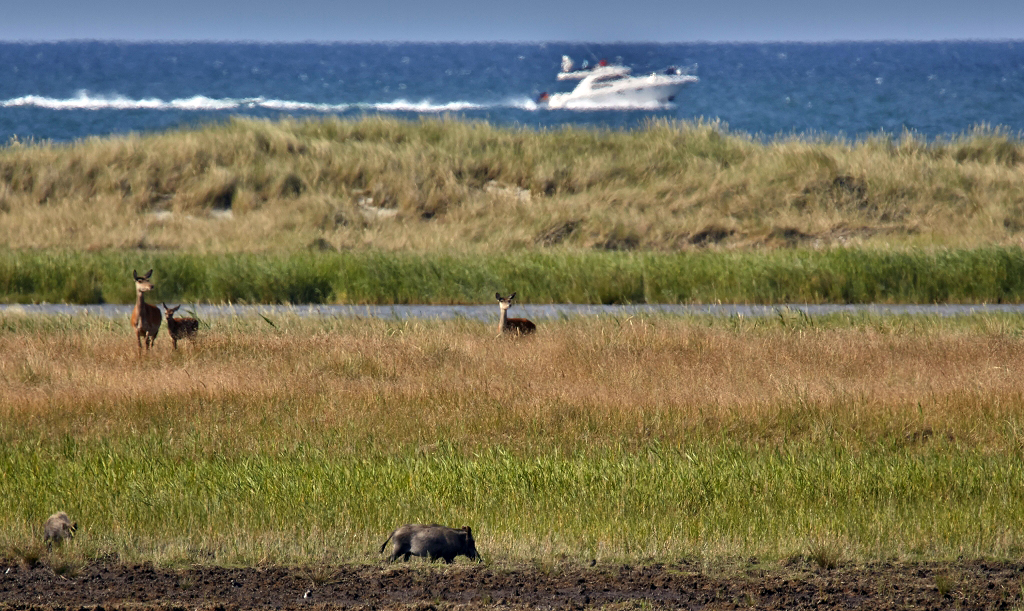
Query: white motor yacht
(612, 85)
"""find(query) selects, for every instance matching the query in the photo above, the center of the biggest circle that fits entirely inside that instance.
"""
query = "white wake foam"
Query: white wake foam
(426, 106)
(84, 100)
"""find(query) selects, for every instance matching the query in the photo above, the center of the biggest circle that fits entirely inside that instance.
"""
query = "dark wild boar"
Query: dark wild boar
(431, 541)
(58, 527)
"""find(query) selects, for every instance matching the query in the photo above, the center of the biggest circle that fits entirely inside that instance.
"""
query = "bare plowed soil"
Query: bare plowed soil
(803, 585)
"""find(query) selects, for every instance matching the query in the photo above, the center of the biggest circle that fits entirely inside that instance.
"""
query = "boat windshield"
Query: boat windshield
(607, 81)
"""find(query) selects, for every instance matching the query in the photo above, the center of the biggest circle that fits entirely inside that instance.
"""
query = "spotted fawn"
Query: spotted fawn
(180, 328)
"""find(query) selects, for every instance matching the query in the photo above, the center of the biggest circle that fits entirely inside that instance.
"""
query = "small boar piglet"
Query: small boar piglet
(58, 527)
(431, 541)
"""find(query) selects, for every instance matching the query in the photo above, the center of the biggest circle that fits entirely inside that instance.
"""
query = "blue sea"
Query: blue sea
(70, 90)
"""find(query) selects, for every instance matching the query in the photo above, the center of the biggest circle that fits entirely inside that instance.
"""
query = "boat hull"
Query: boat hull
(648, 91)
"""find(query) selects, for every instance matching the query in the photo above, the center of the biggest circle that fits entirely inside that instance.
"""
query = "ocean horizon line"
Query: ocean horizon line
(324, 42)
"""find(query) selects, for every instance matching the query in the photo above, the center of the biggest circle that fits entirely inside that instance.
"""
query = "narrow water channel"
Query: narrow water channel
(539, 311)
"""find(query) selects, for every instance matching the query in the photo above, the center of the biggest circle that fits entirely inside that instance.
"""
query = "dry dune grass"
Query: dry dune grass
(377, 183)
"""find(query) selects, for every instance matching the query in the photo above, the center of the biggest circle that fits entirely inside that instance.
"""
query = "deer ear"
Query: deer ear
(148, 274)
(512, 296)
(497, 296)
(135, 274)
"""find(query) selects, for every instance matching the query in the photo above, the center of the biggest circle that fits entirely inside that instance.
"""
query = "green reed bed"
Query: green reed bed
(182, 499)
(982, 275)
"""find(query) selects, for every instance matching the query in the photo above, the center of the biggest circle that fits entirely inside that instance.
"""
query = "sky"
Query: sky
(511, 20)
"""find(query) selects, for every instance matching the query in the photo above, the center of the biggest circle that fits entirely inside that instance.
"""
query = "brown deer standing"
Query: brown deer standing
(145, 317)
(516, 326)
(180, 328)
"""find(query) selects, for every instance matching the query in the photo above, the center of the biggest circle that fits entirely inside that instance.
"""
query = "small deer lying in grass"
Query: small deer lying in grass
(515, 326)
(180, 328)
(145, 317)
(57, 528)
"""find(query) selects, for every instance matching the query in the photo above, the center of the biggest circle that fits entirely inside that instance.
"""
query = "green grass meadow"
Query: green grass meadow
(184, 500)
